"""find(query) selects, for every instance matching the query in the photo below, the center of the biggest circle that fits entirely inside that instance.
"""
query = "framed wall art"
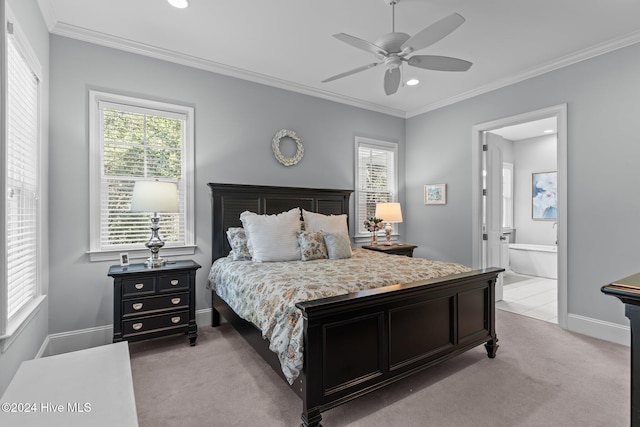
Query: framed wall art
(544, 190)
(435, 194)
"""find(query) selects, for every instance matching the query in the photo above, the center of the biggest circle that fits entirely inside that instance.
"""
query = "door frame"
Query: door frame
(560, 113)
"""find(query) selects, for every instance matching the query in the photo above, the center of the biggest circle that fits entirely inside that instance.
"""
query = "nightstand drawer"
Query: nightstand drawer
(152, 323)
(138, 286)
(146, 305)
(173, 282)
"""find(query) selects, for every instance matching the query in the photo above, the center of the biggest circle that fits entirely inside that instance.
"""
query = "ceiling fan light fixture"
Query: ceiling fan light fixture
(413, 82)
(180, 4)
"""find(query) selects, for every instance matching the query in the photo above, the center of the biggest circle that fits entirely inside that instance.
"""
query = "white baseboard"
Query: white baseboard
(44, 349)
(92, 337)
(613, 332)
(81, 339)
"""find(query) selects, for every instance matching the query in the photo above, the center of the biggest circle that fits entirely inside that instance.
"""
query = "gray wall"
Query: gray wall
(507, 151)
(31, 338)
(530, 156)
(235, 122)
(603, 102)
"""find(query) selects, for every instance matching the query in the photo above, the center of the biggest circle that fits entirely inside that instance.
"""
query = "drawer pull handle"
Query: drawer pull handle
(137, 306)
(175, 319)
(175, 300)
(139, 286)
(137, 326)
(174, 282)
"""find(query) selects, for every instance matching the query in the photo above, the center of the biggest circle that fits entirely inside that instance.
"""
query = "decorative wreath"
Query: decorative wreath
(287, 161)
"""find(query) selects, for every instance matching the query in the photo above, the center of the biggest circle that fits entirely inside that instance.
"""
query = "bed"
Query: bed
(357, 342)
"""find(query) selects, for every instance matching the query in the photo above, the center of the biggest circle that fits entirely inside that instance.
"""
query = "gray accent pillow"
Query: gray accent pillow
(338, 245)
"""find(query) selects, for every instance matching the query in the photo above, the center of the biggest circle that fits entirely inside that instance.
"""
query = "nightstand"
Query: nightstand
(154, 302)
(394, 249)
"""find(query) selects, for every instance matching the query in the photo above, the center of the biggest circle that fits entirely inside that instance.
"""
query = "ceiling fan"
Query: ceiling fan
(394, 48)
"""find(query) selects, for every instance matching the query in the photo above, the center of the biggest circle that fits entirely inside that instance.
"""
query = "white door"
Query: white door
(493, 205)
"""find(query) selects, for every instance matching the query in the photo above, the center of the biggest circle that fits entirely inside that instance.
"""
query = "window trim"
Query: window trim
(10, 329)
(381, 145)
(96, 160)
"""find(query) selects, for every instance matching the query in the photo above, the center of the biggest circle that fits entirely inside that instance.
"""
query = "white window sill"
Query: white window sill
(140, 254)
(22, 319)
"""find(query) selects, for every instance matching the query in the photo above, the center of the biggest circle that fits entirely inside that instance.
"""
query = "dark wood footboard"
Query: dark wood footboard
(357, 343)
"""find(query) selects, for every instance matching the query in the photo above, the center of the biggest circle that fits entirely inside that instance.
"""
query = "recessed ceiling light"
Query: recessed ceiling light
(412, 82)
(180, 4)
(549, 131)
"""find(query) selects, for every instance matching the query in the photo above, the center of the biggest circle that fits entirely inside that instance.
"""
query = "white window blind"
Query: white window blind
(22, 122)
(139, 143)
(507, 195)
(376, 177)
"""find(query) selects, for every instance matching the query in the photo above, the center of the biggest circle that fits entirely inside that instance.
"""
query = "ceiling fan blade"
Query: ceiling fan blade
(360, 44)
(434, 32)
(439, 63)
(391, 81)
(348, 73)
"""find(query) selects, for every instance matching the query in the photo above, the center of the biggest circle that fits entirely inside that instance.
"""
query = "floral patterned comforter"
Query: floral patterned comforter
(266, 293)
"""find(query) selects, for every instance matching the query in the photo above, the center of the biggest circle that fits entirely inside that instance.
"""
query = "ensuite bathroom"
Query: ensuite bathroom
(530, 228)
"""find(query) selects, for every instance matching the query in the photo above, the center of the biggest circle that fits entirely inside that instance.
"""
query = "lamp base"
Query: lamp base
(155, 263)
(387, 232)
(154, 244)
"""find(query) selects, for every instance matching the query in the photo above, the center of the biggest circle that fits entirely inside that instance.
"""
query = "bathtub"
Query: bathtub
(534, 260)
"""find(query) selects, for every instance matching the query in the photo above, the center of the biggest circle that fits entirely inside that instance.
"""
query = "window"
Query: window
(507, 195)
(21, 176)
(135, 139)
(376, 178)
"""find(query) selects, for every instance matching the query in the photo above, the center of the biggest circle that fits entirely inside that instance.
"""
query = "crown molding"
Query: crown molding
(579, 56)
(94, 37)
(126, 45)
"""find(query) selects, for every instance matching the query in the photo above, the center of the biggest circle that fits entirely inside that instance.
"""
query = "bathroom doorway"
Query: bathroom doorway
(522, 290)
(529, 217)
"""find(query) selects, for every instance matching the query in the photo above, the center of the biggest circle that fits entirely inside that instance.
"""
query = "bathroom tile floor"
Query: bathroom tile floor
(530, 296)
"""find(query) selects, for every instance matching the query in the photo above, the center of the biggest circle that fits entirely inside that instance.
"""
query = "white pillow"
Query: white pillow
(328, 223)
(272, 237)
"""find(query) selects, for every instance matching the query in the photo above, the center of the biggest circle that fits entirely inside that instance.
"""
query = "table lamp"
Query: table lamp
(155, 196)
(388, 212)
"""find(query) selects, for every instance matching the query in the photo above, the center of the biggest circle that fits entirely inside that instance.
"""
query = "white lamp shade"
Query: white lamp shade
(389, 212)
(154, 196)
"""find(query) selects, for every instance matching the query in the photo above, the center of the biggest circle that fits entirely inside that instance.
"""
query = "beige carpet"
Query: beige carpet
(542, 376)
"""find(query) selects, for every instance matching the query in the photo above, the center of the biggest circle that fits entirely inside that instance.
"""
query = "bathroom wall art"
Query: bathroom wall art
(544, 196)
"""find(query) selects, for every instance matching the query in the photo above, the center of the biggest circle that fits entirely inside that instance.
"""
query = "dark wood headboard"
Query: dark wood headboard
(228, 201)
